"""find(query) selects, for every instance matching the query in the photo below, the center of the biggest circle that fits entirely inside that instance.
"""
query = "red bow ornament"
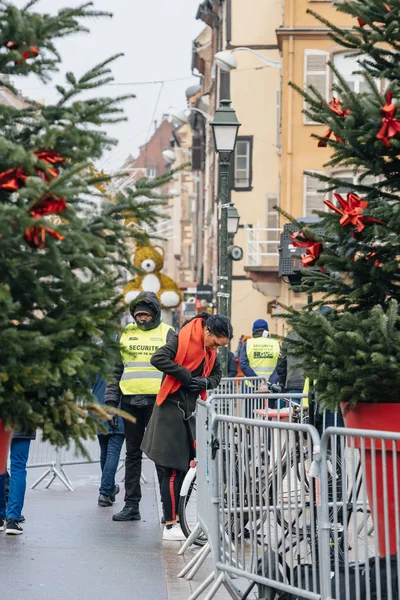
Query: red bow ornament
(53, 159)
(336, 107)
(314, 249)
(11, 180)
(36, 235)
(390, 125)
(351, 211)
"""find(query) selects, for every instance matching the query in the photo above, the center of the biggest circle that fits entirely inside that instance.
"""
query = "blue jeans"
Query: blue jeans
(110, 450)
(18, 459)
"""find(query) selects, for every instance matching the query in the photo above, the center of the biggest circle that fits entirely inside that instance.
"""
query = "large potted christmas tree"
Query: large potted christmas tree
(62, 243)
(352, 352)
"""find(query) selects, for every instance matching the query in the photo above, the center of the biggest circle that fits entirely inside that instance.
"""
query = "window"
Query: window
(151, 172)
(348, 177)
(314, 196)
(316, 75)
(242, 175)
(348, 65)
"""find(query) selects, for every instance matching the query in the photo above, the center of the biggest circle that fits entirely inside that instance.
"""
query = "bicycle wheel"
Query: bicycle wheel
(187, 511)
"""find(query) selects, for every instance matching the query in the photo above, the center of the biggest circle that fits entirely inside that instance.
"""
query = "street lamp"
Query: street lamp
(233, 220)
(169, 155)
(227, 61)
(225, 126)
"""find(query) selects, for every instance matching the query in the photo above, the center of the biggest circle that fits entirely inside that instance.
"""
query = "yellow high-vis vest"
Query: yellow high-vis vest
(137, 348)
(262, 354)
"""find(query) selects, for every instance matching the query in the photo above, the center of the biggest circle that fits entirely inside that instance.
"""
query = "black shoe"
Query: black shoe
(116, 491)
(2, 522)
(21, 520)
(13, 528)
(128, 513)
(104, 500)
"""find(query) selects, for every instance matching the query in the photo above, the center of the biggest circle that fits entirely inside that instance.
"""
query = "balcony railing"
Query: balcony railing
(262, 247)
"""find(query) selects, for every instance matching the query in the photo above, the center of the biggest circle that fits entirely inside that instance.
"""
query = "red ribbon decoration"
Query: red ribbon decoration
(49, 206)
(36, 235)
(336, 107)
(12, 179)
(52, 158)
(314, 249)
(30, 52)
(351, 211)
(390, 125)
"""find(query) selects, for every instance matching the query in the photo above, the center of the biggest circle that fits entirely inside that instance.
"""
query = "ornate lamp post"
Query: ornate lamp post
(225, 126)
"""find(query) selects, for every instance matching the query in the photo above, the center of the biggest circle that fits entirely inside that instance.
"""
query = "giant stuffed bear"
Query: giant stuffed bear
(150, 259)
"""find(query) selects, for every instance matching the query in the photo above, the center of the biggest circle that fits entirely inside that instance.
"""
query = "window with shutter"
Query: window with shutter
(314, 196)
(348, 176)
(242, 171)
(315, 75)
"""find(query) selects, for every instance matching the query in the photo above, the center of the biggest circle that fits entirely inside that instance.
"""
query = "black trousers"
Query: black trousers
(170, 486)
(134, 433)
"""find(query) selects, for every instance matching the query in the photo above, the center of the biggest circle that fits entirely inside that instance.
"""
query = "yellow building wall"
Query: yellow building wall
(300, 151)
(253, 92)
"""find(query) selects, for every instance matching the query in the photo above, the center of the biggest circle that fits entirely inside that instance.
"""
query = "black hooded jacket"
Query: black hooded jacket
(113, 394)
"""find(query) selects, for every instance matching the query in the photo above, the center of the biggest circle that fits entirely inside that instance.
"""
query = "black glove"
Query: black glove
(114, 422)
(197, 384)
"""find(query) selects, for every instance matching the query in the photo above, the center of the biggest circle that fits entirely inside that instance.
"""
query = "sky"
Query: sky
(156, 39)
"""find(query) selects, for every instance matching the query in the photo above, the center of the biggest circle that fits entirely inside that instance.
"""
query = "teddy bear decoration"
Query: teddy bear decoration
(150, 260)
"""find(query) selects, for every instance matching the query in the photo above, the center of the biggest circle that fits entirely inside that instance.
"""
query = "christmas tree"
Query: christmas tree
(352, 351)
(62, 241)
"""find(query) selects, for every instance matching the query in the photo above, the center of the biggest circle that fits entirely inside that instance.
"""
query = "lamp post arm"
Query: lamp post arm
(207, 117)
(271, 63)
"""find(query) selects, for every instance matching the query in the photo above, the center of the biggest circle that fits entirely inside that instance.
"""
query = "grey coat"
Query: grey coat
(170, 434)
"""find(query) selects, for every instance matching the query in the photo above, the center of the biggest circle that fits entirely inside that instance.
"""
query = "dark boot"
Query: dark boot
(128, 513)
(115, 492)
(104, 500)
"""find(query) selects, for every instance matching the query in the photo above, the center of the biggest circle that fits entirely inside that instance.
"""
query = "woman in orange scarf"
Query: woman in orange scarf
(191, 367)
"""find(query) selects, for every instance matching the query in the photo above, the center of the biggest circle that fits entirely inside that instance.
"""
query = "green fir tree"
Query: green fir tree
(352, 352)
(62, 242)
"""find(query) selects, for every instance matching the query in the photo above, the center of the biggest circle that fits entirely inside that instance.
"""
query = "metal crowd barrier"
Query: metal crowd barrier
(42, 454)
(294, 514)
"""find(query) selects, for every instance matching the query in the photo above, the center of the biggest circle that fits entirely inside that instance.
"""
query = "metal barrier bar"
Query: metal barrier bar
(361, 511)
(268, 509)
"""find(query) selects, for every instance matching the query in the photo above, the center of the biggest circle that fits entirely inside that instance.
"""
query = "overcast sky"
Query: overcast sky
(155, 37)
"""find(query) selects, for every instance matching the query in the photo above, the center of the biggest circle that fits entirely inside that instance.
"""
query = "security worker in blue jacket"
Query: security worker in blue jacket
(259, 354)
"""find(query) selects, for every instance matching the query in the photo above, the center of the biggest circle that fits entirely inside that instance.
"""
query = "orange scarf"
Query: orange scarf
(190, 354)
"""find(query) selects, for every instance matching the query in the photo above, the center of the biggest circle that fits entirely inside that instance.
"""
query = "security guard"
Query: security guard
(259, 354)
(136, 385)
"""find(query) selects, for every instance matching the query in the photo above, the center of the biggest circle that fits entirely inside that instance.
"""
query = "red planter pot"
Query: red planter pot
(5, 441)
(379, 417)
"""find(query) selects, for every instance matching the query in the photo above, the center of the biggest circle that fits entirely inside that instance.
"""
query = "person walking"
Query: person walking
(110, 442)
(259, 354)
(135, 386)
(191, 367)
(11, 509)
